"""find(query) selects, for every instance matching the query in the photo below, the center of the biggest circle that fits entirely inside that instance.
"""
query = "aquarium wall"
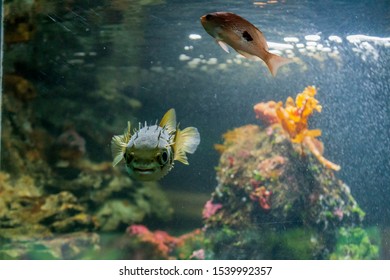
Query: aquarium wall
(287, 166)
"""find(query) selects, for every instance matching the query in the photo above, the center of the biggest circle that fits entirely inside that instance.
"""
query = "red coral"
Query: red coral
(161, 239)
(262, 195)
(210, 209)
(231, 161)
(255, 183)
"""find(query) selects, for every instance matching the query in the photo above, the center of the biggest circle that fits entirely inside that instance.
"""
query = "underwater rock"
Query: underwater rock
(68, 246)
(24, 148)
(279, 201)
(37, 224)
(354, 244)
(19, 87)
(20, 25)
(24, 143)
(25, 212)
(141, 203)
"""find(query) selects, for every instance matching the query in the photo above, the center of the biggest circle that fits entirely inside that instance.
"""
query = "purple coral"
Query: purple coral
(70, 145)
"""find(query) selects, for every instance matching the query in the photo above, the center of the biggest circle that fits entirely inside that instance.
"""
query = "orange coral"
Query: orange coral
(293, 117)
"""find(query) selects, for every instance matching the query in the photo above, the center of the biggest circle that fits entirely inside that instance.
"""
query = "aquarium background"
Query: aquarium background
(74, 73)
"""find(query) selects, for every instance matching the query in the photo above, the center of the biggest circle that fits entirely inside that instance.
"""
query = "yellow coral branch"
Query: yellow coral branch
(293, 118)
(318, 154)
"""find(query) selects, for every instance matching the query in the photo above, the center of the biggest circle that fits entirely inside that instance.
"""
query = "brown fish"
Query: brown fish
(235, 31)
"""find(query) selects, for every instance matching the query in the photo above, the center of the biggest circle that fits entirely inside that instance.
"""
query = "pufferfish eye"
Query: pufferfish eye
(129, 157)
(163, 157)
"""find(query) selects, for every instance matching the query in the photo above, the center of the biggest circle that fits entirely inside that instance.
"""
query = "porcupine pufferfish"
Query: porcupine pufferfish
(149, 153)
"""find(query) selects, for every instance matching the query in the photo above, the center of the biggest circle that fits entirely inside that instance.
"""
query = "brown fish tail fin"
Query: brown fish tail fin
(274, 61)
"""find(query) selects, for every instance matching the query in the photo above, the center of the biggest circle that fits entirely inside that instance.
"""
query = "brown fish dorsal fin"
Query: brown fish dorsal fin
(223, 45)
(169, 120)
(118, 145)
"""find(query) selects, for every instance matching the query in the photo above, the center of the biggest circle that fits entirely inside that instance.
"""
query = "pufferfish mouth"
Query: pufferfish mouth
(144, 170)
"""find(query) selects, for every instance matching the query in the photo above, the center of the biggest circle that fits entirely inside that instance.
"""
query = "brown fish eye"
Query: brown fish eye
(247, 36)
(208, 17)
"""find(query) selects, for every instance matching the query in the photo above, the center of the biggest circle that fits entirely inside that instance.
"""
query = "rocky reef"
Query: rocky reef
(277, 196)
(36, 220)
(59, 195)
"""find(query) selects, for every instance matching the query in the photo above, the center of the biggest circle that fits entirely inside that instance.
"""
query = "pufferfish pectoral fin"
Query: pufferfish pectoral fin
(169, 120)
(186, 141)
(118, 145)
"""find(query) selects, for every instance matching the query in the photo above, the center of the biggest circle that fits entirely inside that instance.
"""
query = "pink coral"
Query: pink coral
(266, 112)
(137, 230)
(161, 239)
(163, 242)
(338, 212)
(198, 254)
(210, 209)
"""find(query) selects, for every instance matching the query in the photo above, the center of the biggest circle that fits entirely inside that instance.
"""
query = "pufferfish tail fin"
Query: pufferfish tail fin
(169, 121)
(118, 145)
(186, 141)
